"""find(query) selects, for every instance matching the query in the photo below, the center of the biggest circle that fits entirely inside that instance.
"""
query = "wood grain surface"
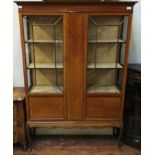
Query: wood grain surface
(77, 145)
(18, 94)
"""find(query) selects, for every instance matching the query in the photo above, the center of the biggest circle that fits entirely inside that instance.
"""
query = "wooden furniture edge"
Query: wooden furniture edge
(74, 124)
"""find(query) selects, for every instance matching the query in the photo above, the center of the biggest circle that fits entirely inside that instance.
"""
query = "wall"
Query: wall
(17, 57)
(135, 44)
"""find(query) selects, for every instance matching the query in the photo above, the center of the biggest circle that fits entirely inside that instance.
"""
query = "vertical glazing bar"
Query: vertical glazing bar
(28, 28)
(55, 47)
(121, 35)
(55, 57)
(28, 25)
(95, 46)
(117, 53)
(34, 56)
(28, 45)
(120, 48)
(63, 55)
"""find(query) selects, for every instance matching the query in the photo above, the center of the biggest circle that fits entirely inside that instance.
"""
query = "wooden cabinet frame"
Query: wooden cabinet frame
(75, 31)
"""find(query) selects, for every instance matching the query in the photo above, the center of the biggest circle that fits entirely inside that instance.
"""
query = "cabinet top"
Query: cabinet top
(19, 2)
(18, 94)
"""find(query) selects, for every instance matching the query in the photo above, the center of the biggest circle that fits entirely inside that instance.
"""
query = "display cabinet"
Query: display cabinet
(75, 57)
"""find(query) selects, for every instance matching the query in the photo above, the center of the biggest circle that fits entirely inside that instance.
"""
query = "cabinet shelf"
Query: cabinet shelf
(45, 65)
(45, 41)
(105, 65)
(107, 41)
(46, 89)
(103, 89)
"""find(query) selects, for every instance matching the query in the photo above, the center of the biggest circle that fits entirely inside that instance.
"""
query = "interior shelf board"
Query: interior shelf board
(103, 89)
(105, 65)
(45, 65)
(46, 89)
(44, 41)
(107, 41)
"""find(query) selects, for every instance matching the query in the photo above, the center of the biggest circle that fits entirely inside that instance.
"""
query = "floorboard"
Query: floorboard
(76, 145)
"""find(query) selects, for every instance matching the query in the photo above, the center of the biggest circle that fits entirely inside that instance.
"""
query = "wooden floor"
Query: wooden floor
(76, 145)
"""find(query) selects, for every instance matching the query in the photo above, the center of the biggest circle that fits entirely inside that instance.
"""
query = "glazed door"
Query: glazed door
(45, 66)
(106, 52)
(44, 53)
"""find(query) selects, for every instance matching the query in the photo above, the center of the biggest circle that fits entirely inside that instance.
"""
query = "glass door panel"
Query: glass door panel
(106, 50)
(44, 53)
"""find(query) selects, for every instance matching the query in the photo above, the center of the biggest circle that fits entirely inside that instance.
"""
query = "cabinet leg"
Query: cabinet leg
(33, 131)
(29, 145)
(120, 138)
(24, 144)
(115, 131)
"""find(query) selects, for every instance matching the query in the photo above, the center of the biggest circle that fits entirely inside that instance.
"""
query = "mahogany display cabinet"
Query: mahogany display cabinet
(75, 56)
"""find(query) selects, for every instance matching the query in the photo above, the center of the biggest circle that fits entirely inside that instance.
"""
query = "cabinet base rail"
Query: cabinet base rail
(30, 125)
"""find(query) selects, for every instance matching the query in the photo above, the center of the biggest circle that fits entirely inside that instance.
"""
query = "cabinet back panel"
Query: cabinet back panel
(99, 32)
(45, 32)
(101, 77)
(104, 53)
(48, 77)
(45, 53)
